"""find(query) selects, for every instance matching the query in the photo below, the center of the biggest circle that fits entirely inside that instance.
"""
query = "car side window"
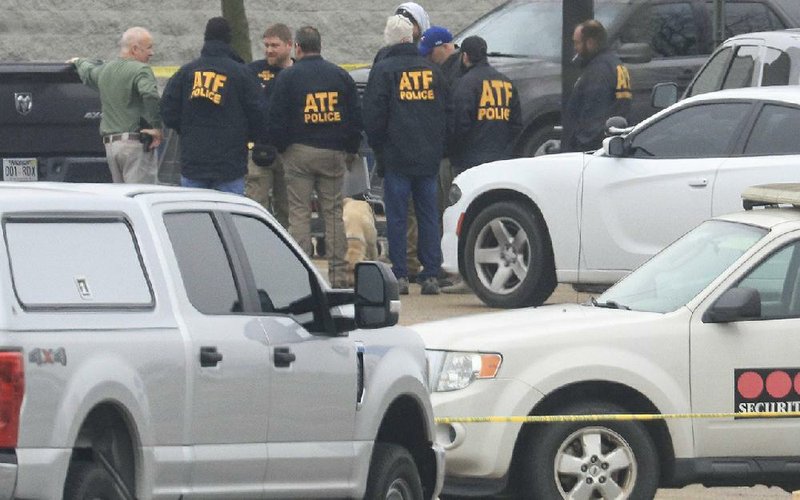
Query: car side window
(777, 68)
(204, 262)
(711, 76)
(747, 17)
(282, 280)
(775, 132)
(700, 131)
(740, 74)
(670, 28)
(778, 283)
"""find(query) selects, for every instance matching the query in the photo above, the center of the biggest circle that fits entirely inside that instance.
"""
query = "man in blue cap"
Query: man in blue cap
(437, 45)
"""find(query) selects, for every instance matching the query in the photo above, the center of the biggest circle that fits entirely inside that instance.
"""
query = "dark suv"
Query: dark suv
(659, 40)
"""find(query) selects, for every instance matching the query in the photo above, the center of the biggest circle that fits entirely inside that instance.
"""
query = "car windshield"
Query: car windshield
(678, 273)
(529, 29)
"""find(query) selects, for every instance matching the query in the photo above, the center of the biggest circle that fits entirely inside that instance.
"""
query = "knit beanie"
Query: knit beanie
(218, 28)
(398, 30)
(416, 11)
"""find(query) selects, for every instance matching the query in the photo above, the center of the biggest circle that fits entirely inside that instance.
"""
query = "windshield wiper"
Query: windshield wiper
(503, 54)
(609, 304)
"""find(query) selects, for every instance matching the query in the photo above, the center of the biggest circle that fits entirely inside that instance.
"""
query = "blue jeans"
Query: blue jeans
(236, 186)
(397, 189)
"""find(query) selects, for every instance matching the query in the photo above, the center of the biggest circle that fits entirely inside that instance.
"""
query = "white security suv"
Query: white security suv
(516, 227)
(707, 326)
(167, 343)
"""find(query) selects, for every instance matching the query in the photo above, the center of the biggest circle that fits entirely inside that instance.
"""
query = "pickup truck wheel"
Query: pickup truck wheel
(590, 460)
(393, 474)
(533, 144)
(507, 257)
(90, 481)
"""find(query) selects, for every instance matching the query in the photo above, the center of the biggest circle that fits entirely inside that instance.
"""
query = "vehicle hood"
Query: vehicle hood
(523, 68)
(555, 170)
(499, 331)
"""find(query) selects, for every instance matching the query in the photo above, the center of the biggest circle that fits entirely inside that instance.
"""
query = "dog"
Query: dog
(362, 237)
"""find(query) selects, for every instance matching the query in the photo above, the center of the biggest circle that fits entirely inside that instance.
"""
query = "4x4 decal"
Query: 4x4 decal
(48, 356)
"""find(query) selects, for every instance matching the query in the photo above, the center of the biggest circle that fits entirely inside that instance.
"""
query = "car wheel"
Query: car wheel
(532, 145)
(508, 259)
(90, 481)
(393, 474)
(590, 460)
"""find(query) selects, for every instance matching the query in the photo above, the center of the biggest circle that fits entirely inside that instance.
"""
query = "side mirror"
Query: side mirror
(664, 95)
(617, 125)
(614, 146)
(635, 53)
(735, 304)
(377, 301)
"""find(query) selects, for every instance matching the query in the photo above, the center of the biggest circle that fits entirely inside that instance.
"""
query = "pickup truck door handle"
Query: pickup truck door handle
(209, 356)
(698, 183)
(284, 357)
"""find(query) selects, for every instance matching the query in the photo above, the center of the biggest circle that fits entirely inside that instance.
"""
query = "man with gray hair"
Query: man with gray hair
(131, 125)
(405, 121)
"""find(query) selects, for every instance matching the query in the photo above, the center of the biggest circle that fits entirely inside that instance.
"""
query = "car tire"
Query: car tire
(564, 459)
(516, 272)
(393, 474)
(531, 145)
(90, 481)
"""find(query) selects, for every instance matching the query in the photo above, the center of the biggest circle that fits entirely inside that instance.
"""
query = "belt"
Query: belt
(125, 136)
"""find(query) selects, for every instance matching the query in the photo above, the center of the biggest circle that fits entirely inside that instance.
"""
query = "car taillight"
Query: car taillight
(12, 388)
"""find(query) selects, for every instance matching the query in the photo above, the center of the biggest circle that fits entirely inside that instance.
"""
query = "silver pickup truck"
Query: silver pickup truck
(167, 343)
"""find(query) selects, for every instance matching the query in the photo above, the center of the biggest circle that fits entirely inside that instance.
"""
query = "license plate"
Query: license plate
(20, 169)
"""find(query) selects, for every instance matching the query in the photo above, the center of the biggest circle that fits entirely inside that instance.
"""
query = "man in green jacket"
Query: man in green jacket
(131, 124)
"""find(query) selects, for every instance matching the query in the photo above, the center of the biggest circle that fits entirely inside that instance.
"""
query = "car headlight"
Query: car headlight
(454, 195)
(452, 371)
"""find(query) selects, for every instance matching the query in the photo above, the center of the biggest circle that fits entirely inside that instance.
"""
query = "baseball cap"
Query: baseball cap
(475, 48)
(432, 38)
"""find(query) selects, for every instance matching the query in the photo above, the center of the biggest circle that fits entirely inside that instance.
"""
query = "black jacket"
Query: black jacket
(216, 105)
(486, 118)
(314, 102)
(602, 91)
(405, 111)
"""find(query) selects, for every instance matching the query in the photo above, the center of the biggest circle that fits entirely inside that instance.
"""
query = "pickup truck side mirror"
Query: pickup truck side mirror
(664, 95)
(614, 146)
(735, 304)
(377, 301)
(635, 53)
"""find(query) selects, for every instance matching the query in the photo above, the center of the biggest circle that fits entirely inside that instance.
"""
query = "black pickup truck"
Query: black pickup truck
(49, 125)
(49, 128)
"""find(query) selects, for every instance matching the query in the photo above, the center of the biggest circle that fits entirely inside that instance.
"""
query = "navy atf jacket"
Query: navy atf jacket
(314, 102)
(405, 111)
(216, 105)
(602, 91)
(486, 118)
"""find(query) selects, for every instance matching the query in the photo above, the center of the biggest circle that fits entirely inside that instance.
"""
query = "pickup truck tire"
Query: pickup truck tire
(90, 481)
(508, 261)
(586, 459)
(531, 146)
(393, 474)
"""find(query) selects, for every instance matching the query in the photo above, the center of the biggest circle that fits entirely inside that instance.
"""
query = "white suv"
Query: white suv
(171, 343)
(707, 326)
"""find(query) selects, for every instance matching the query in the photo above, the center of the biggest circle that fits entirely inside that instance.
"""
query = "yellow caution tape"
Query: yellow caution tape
(620, 417)
(168, 71)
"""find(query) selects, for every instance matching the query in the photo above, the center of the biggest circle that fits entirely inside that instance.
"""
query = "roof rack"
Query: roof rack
(784, 193)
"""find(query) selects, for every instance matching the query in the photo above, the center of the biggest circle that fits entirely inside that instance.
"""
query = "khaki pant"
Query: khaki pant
(308, 169)
(267, 186)
(129, 163)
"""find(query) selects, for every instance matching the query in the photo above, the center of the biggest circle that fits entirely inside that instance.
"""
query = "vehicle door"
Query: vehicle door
(228, 356)
(634, 206)
(771, 153)
(313, 372)
(751, 366)
(676, 33)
